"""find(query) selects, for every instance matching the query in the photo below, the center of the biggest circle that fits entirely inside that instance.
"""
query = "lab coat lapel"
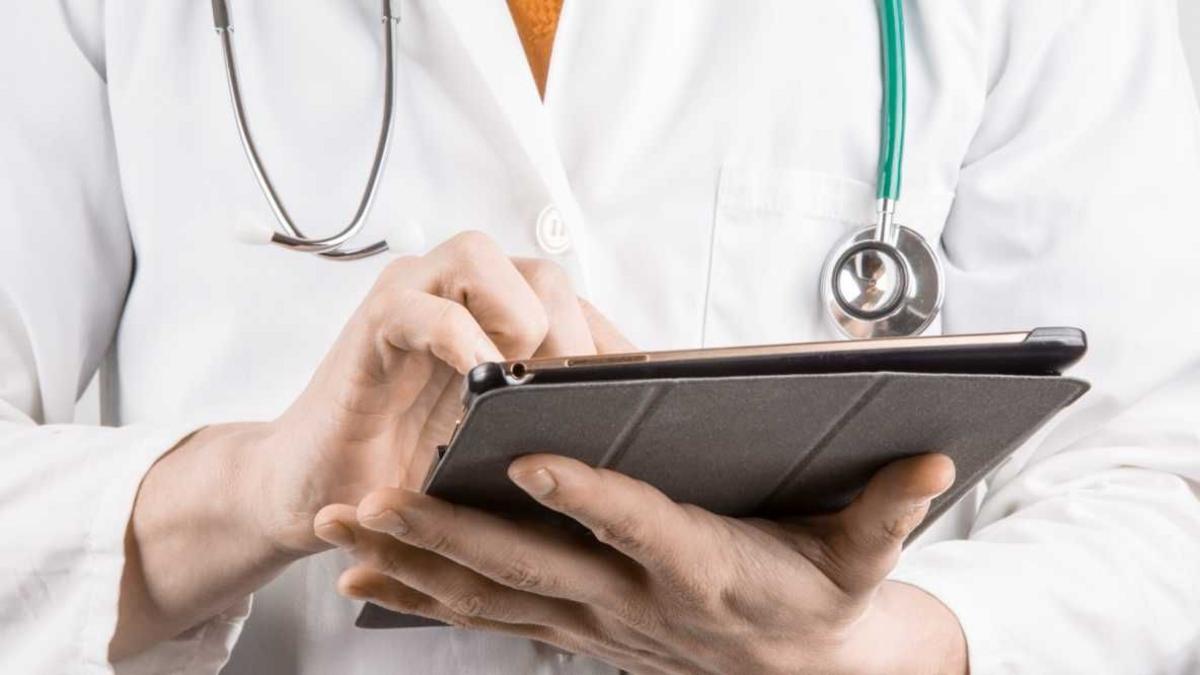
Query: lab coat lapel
(490, 38)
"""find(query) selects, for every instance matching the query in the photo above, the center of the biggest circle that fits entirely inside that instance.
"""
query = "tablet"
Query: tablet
(772, 431)
(740, 430)
(1042, 351)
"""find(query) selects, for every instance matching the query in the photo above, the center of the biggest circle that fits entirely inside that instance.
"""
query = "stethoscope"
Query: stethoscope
(881, 281)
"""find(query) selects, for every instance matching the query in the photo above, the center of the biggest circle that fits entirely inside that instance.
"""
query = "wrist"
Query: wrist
(907, 630)
(238, 452)
(275, 491)
(194, 543)
(251, 496)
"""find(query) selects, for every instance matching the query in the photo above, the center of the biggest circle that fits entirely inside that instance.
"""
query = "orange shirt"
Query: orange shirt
(536, 22)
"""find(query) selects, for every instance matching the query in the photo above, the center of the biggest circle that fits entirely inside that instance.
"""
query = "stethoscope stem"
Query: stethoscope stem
(291, 237)
(885, 280)
(886, 229)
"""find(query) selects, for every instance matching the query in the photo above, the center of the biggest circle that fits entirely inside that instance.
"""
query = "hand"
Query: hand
(230, 506)
(663, 587)
(389, 391)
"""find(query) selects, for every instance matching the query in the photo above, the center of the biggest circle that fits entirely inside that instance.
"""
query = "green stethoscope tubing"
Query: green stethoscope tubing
(882, 281)
(895, 99)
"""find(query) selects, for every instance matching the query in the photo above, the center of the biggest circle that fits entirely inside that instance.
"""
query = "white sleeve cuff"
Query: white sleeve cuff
(104, 547)
(202, 650)
(1046, 603)
(75, 487)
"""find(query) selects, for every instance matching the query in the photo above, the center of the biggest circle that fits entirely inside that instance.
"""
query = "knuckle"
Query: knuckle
(895, 529)
(690, 590)
(390, 561)
(828, 555)
(623, 533)
(456, 620)
(548, 279)
(734, 603)
(521, 575)
(452, 319)
(637, 615)
(532, 329)
(438, 542)
(401, 297)
(468, 603)
(473, 244)
(452, 323)
(382, 305)
(376, 309)
(402, 603)
(395, 269)
(847, 567)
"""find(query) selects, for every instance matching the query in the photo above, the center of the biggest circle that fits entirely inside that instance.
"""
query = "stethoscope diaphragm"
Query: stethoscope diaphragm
(873, 289)
(869, 279)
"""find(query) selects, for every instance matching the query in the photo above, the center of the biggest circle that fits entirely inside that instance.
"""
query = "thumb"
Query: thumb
(867, 535)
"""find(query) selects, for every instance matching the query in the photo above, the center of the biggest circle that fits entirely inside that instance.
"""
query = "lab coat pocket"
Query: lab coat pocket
(773, 230)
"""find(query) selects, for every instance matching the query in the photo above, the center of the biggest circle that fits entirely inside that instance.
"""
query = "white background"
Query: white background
(1189, 18)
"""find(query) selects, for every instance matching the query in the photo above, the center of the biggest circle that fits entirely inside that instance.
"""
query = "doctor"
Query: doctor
(683, 165)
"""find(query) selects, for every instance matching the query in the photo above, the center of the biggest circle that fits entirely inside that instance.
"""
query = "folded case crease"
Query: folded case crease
(767, 445)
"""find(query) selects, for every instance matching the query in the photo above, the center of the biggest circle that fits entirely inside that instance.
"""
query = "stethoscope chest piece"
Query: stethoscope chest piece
(874, 289)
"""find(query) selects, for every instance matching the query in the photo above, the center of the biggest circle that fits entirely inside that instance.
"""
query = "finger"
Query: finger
(867, 536)
(464, 302)
(361, 582)
(567, 333)
(436, 405)
(395, 339)
(440, 417)
(414, 321)
(535, 560)
(607, 338)
(461, 590)
(471, 269)
(626, 514)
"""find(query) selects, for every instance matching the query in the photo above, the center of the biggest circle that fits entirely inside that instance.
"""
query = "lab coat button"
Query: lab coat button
(552, 234)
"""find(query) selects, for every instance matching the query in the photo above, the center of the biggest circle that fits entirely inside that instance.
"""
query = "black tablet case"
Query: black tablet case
(777, 445)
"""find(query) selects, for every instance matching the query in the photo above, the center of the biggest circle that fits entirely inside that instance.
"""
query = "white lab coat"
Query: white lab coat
(704, 156)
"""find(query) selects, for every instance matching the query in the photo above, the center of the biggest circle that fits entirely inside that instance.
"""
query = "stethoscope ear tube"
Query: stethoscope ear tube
(291, 236)
(899, 295)
(220, 14)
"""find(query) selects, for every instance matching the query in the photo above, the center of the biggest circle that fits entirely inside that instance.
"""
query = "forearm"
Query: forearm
(195, 545)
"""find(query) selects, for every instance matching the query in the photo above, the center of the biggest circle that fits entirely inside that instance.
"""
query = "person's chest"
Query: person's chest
(704, 157)
(699, 158)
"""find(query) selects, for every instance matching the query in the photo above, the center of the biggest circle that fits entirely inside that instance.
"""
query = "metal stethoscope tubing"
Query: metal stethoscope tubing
(882, 281)
(885, 280)
(292, 237)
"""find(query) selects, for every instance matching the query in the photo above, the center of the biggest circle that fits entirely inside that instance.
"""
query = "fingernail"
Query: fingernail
(336, 534)
(386, 520)
(538, 483)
